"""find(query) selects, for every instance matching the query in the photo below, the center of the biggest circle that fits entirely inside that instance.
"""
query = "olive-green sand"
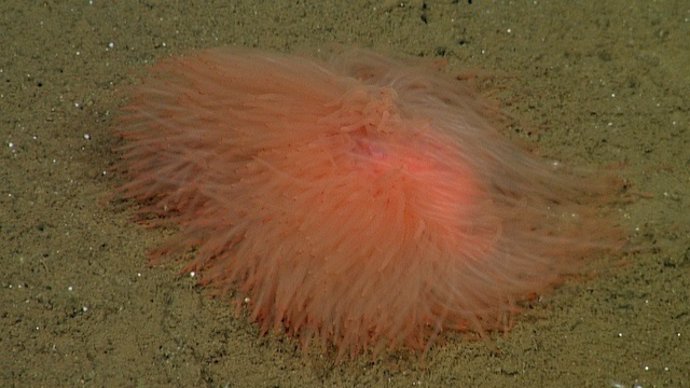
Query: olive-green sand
(592, 83)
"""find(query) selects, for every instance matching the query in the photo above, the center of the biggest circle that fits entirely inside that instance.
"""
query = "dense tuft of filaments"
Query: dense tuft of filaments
(361, 202)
